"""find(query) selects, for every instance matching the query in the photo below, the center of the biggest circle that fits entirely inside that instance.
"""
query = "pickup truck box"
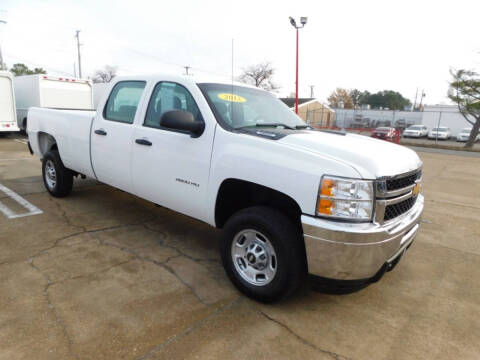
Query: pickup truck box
(48, 91)
(291, 200)
(8, 120)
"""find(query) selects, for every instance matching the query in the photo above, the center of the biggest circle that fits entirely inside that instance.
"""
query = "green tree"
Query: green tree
(465, 92)
(22, 69)
(386, 99)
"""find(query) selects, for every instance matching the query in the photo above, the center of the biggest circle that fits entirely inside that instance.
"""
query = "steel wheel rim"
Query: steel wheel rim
(254, 257)
(50, 174)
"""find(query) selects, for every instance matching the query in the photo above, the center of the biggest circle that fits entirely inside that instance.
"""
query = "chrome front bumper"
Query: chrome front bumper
(349, 251)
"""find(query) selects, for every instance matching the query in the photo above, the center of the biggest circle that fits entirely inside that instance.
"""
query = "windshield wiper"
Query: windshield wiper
(300, 127)
(267, 125)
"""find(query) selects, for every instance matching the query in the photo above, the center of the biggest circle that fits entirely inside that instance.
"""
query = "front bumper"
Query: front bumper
(349, 251)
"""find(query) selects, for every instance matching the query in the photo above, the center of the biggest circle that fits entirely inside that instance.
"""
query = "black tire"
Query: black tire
(288, 245)
(23, 129)
(63, 176)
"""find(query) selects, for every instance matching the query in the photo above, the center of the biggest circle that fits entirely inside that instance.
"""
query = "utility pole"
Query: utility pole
(311, 90)
(186, 70)
(415, 102)
(78, 51)
(421, 99)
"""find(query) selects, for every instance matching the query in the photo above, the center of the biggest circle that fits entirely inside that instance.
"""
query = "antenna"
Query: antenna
(231, 103)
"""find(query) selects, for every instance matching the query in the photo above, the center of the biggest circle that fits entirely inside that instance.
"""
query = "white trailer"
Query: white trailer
(53, 92)
(8, 121)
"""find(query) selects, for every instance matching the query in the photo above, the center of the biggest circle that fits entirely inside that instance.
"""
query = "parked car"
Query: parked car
(50, 92)
(291, 200)
(8, 120)
(442, 133)
(464, 135)
(416, 131)
(385, 133)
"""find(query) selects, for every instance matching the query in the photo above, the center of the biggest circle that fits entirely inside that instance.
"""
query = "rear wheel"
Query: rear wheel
(263, 254)
(58, 180)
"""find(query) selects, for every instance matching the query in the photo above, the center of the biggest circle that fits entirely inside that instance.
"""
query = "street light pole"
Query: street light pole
(303, 21)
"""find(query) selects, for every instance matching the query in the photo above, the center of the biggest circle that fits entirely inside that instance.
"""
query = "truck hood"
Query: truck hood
(371, 158)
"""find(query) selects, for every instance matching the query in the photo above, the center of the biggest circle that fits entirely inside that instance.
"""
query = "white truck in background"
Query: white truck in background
(8, 121)
(53, 92)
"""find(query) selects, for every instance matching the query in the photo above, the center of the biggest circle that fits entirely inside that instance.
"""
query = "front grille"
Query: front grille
(399, 183)
(392, 211)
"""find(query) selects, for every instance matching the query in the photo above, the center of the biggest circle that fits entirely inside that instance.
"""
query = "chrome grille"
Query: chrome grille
(392, 211)
(395, 195)
(402, 182)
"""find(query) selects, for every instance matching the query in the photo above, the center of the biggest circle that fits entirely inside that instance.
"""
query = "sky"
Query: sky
(369, 45)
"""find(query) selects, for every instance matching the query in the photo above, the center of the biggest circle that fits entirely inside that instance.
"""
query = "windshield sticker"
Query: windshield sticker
(232, 98)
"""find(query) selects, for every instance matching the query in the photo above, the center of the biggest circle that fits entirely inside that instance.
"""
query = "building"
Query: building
(312, 111)
(432, 116)
(444, 115)
(366, 118)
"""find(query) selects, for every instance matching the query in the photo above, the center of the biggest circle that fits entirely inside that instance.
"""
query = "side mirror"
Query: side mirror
(183, 121)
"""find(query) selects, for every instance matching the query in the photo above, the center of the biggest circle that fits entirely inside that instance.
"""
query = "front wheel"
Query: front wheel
(263, 254)
(58, 180)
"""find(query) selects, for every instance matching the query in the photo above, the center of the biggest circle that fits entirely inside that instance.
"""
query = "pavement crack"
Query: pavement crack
(145, 225)
(304, 341)
(162, 264)
(53, 309)
(187, 331)
(192, 289)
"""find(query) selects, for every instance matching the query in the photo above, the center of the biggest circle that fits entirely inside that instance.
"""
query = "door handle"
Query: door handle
(100, 132)
(143, 142)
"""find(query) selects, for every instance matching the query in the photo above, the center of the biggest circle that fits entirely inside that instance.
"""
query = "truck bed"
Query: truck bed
(71, 130)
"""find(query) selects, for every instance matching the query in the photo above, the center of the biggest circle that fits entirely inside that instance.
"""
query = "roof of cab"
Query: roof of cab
(192, 79)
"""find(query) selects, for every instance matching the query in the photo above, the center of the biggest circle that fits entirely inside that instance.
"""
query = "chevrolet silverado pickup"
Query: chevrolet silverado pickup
(290, 200)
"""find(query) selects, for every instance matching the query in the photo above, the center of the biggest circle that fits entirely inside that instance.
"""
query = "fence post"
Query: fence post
(436, 134)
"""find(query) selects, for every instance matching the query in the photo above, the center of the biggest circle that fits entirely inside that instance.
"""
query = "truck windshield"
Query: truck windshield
(238, 107)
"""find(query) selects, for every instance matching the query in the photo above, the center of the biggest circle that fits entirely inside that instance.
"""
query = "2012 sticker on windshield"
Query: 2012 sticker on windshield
(232, 98)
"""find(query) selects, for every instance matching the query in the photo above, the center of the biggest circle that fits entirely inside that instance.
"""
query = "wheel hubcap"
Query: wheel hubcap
(254, 257)
(50, 174)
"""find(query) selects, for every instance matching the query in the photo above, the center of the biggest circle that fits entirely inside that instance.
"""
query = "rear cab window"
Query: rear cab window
(123, 101)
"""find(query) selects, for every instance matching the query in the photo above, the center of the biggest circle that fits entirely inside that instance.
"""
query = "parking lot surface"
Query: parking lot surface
(102, 274)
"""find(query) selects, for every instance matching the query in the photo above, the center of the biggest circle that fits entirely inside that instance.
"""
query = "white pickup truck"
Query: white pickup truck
(291, 200)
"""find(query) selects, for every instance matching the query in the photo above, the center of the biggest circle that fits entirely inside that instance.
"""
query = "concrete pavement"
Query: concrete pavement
(102, 274)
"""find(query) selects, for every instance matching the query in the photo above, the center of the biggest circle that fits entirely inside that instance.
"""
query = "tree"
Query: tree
(465, 92)
(22, 69)
(340, 96)
(259, 75)
(105, 75)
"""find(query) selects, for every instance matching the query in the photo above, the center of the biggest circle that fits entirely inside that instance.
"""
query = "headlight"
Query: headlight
(342, 198)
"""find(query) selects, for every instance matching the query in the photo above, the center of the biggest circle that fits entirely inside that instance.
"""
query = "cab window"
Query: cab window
(123, 101)
(168, 96)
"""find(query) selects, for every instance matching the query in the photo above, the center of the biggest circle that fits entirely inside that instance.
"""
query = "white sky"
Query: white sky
(369, 45)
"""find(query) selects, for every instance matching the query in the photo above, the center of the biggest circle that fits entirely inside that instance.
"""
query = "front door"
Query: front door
(112, 135)
(170, 167)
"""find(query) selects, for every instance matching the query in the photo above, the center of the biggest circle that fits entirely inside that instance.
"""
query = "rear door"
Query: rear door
(112, 135)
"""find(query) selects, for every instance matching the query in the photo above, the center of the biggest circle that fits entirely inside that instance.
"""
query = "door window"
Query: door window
(168, 96)
(123, 101)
